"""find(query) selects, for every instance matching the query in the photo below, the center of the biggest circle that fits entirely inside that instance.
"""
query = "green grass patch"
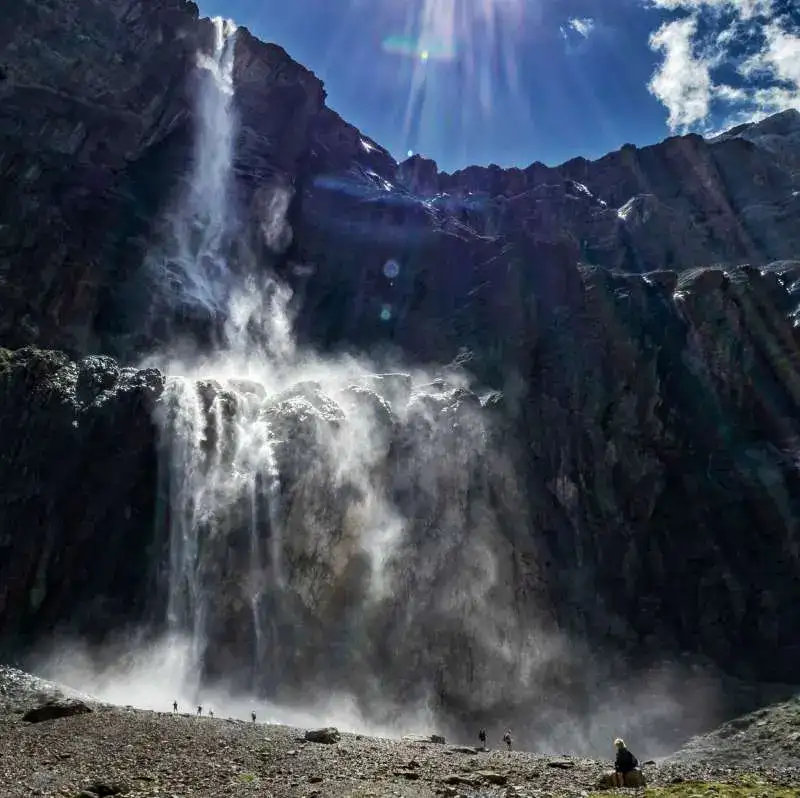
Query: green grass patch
(744, 787)
(247, 778)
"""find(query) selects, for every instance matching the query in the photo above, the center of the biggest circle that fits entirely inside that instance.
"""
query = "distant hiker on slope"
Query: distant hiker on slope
(507, 738)
(253, 716)
(482, 737)
(210, 713)
(199, 709)
(625, 762)
(174, 706)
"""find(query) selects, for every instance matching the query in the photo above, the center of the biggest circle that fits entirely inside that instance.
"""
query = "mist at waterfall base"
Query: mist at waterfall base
(342, 546)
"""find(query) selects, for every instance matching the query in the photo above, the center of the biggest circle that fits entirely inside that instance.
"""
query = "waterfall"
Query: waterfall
(197, 421)
(193, 260)
(186, 422)
(331, 530)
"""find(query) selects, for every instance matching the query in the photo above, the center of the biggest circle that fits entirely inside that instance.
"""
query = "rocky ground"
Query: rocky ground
(102, 750)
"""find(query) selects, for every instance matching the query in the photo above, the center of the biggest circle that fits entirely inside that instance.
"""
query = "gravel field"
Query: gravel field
(123, 751)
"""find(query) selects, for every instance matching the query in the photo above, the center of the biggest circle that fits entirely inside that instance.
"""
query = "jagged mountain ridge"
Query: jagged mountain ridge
(650, 420)
(92, 134)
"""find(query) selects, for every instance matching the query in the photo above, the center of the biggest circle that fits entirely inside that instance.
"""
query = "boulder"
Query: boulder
(634, 779)
(104, 789)
(327, 735)
(56, 708)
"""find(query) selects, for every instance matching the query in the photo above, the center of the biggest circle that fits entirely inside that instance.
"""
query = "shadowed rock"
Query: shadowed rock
(327, 735)
(56, 708)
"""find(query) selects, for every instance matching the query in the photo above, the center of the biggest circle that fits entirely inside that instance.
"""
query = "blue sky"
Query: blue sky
(514, 81)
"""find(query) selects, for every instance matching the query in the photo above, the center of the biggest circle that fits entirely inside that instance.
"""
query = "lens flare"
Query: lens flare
(466, 46)
(391, 268)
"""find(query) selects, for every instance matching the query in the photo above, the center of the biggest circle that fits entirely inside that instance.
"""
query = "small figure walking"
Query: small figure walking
(253, 716)
(174, 706)
(482, 738)
(210, 713)
(624, 763)
(199, 709)
(507, 738)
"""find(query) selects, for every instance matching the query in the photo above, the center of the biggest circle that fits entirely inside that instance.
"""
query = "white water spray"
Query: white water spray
(219, 448)
(318, 513)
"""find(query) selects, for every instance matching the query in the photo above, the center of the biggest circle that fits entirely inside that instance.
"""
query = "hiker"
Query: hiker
(482, 737)
(174, 706)
(210, 713)
(625, 762)
(199, 709)
(253, 716)
(507, 738)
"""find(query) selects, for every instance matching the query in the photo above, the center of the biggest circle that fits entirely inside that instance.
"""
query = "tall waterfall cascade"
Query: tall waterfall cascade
(329, 528)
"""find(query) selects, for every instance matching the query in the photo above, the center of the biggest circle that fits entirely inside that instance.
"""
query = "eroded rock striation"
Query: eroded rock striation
(634, 314)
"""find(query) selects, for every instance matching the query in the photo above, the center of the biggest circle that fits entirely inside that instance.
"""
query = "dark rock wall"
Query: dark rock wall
(78, 470)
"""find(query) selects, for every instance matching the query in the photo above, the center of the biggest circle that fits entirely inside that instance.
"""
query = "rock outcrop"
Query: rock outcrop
(77, 466)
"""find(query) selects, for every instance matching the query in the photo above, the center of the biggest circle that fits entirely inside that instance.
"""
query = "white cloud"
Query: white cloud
(746, 9)
(683, 81)
(582, 26)
(769, 78)
(779, 60)
(780, 56)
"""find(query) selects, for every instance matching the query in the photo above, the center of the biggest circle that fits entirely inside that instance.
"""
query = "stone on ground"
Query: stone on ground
(634, 779)
(327, 735)
(56, 708)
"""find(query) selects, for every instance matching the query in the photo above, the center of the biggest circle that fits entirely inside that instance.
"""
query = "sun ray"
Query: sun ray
(470, 46)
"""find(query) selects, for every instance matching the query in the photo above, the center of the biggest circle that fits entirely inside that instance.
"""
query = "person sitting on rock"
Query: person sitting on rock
(507, 738)
(625, 762)
(482, 737)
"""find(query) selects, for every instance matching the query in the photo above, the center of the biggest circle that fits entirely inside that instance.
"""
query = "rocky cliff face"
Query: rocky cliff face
(650, 380)
(96, 135)
(77, 470)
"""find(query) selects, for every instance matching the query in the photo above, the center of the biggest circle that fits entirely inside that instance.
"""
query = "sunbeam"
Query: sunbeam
(475, 41)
